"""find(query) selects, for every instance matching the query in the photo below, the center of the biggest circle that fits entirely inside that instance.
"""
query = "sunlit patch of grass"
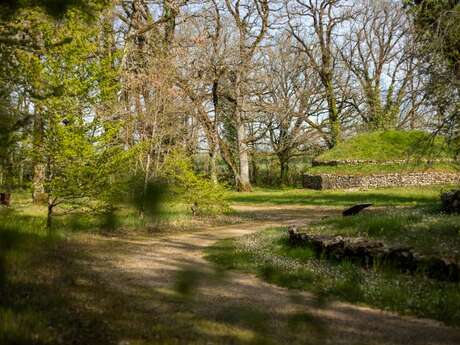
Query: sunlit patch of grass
(268, 255)
(227, 256)
(409, 196)
(125, 218)
(217, 329)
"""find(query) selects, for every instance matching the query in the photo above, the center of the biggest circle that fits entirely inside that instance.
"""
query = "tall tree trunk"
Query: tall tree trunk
(244, 183)
(284, 167)
(334, 121)
(49, 216)
(243, 155)
(39, 170)
(8, 177)
(145, 186)
(254, 171)
(38, 182)
(21, 175)
(213, 165)
(170, 12)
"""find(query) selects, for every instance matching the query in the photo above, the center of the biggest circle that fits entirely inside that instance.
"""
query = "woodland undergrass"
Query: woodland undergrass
(407, 196)
(268, 255)
(168, 216)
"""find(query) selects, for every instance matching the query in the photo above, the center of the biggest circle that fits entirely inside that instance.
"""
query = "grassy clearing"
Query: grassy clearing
(268, 255)
(48, 297)
(380, 197)
(389, 145)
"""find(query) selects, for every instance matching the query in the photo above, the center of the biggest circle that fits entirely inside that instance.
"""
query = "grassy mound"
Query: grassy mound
(418, 148)
(389, 145)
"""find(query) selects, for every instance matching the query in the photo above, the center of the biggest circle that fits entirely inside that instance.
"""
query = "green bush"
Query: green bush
(185, 185)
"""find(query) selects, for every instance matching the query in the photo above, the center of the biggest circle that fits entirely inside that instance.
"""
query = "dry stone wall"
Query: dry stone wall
(337, 162)
(369, 252)
(332, 181)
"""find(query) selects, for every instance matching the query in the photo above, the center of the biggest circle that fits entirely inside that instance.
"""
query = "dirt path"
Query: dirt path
(162, 291)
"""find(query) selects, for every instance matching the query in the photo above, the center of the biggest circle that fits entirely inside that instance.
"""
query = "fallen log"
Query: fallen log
(355, 209)
(371, 252)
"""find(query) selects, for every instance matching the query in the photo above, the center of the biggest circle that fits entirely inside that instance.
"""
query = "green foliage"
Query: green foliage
(67, 81)
(268, 255)
(56, 8)
(267, 173)
(145, 196)
(185, 184)
(389, 145)
(11, 151)
(437, 24)
(85, 161)
(438, 21)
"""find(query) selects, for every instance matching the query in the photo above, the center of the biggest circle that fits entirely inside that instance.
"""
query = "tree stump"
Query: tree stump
(451, 201)
(194, 209)
(5, 199)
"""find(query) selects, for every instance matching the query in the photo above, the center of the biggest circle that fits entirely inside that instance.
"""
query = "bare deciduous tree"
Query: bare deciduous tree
(292, 101)
(314, 24)
(251, 19)
(379, 53)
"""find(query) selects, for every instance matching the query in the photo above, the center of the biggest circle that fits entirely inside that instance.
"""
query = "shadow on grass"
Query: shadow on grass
(64, 296)
(36, 279)
(43, 297)
(50, 295)
(65, 303)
